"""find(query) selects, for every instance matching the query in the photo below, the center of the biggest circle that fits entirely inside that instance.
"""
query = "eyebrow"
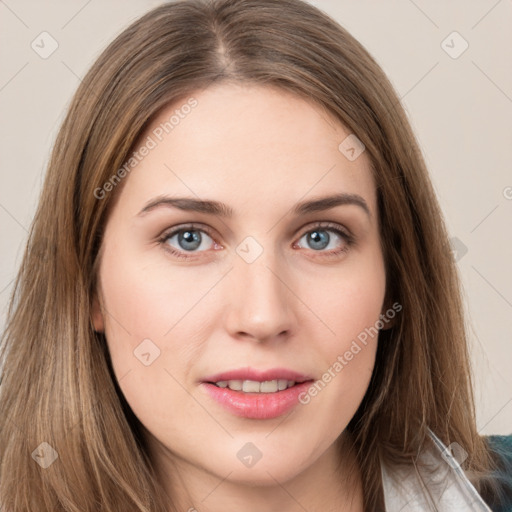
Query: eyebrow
(223, 210)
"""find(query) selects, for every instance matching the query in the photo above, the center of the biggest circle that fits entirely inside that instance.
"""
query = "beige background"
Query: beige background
(460, 108)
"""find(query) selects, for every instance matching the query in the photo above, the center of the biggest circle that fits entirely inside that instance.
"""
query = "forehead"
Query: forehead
(248, 143)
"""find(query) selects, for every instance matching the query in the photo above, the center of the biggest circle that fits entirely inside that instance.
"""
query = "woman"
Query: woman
(238, 291)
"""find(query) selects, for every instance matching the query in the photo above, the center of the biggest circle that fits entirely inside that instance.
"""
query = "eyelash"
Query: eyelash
(327, 226)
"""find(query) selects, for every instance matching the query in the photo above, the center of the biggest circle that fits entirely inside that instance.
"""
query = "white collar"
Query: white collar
(441, 486)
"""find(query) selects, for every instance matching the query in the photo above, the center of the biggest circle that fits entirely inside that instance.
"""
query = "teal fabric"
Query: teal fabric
(502, 448)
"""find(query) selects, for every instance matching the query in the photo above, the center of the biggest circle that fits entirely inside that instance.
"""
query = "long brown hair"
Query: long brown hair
(57, 383)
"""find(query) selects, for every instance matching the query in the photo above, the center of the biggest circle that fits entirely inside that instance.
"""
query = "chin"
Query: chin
(274, 464)
(263, 476)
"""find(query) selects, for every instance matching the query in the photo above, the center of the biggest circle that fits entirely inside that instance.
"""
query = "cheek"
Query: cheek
(349, 307)
(348, 357)
(154, 321)
(146, 300)
(347, 303)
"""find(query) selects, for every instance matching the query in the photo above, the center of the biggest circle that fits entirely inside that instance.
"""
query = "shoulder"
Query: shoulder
(501, 450)
(501, 444)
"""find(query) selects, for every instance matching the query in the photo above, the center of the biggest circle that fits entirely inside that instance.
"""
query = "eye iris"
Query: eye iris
(318, 237)
(189, 237)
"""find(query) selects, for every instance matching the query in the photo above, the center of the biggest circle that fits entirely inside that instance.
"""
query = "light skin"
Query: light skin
(298, 305)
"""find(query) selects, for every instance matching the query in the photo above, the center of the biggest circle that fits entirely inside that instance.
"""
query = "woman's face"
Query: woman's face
(272, 286)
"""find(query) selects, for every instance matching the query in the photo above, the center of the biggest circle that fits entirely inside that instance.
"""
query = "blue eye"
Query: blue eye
(319, 239)
(188, 239)
(192, 239)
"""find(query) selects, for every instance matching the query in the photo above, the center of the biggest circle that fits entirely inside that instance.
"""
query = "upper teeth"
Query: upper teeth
(253, 386)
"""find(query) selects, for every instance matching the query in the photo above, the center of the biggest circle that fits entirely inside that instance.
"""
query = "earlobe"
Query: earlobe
(97, 315)
(388, 316)
(388, 322)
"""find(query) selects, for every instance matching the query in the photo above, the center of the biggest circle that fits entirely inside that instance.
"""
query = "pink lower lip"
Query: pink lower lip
(261, 406)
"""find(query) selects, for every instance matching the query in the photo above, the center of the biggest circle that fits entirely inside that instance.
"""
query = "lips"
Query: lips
(257, 394)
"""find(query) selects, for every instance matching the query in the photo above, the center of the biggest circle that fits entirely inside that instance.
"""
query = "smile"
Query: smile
(256, 394)
(253, 386)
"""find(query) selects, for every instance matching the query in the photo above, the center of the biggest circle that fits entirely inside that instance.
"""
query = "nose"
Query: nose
(259, 305)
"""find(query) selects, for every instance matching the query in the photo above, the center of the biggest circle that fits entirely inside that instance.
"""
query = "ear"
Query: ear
(97, 315)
